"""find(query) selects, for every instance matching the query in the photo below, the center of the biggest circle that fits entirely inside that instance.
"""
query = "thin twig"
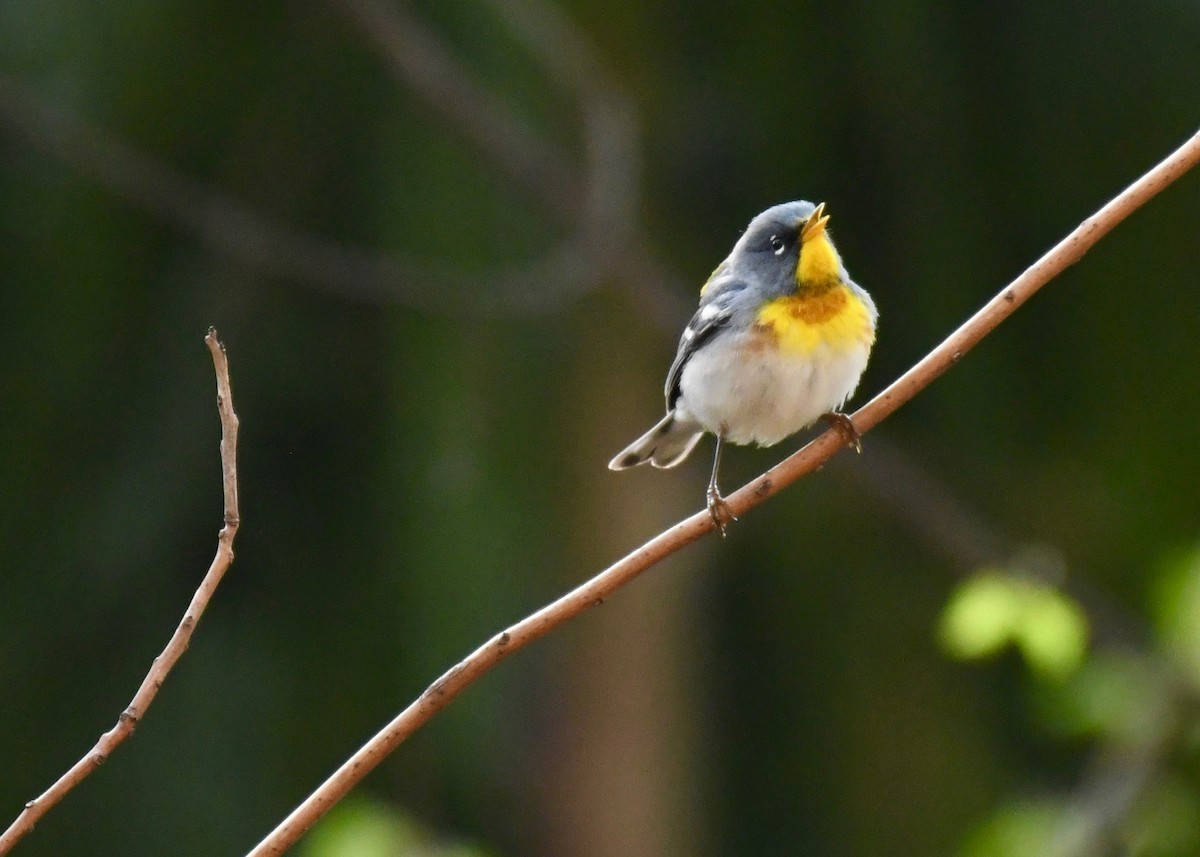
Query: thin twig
(805, 461)
(128, 720)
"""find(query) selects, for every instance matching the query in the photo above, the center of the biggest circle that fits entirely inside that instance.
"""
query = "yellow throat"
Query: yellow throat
(823, 309)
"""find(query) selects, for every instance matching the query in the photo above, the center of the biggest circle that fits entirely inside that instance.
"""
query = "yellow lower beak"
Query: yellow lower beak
(815, 225)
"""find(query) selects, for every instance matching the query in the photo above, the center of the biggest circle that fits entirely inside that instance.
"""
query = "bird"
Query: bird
(780, 340)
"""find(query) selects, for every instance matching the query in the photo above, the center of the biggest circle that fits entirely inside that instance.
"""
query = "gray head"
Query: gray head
(769, 250)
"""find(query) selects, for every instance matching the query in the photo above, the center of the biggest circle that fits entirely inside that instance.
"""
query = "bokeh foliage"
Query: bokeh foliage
(416, 474)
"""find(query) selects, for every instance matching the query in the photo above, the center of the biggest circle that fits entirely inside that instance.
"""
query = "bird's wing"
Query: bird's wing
(712, 316)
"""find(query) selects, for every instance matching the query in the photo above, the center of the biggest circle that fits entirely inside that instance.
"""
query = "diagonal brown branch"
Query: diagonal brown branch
(593, 592)
(128, 719)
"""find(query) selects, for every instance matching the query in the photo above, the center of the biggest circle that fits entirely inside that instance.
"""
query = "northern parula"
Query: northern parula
(780, 339)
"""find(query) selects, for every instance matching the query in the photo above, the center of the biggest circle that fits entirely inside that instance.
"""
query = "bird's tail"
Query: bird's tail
(665, 445)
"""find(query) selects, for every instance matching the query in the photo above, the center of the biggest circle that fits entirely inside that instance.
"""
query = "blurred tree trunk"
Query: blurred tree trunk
(622, 759)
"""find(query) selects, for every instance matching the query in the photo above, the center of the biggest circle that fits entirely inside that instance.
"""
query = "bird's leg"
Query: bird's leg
(841, 422)
(717, 507)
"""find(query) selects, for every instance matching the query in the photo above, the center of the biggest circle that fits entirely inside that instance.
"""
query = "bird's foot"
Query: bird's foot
(719, 510)
(843, 424)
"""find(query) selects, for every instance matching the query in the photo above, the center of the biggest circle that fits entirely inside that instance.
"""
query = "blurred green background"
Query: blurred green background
(450, 247)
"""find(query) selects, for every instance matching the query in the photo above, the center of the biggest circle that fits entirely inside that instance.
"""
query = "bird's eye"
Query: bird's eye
(777, 245)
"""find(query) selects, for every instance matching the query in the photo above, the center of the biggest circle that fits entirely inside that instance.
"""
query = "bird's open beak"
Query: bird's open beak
(815, 225)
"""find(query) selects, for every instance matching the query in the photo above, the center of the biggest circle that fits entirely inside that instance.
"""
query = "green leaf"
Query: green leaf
(1176, 610)
(1019, 830)
(1052, 632)
(361, 828)
(994, 609)
(1119, 696)
(981, 616)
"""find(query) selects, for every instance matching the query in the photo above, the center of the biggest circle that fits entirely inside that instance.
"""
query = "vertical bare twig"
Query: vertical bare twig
(128, 719)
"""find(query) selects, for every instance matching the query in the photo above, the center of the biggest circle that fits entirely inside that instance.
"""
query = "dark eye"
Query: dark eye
(777, 245)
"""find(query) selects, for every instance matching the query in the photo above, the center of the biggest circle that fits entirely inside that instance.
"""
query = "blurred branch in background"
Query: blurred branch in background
(966, 537)
(808, 459)
(429, 69)
(163, 664)
(226, 225)
(601, 203)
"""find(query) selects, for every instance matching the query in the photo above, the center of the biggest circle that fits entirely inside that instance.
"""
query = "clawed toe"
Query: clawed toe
(843, 424)
(719, 510)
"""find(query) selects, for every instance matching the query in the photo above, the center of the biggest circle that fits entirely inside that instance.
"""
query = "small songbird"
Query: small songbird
(780, 340)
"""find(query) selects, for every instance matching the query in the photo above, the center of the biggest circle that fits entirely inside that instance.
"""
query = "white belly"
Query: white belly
(762, 395)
